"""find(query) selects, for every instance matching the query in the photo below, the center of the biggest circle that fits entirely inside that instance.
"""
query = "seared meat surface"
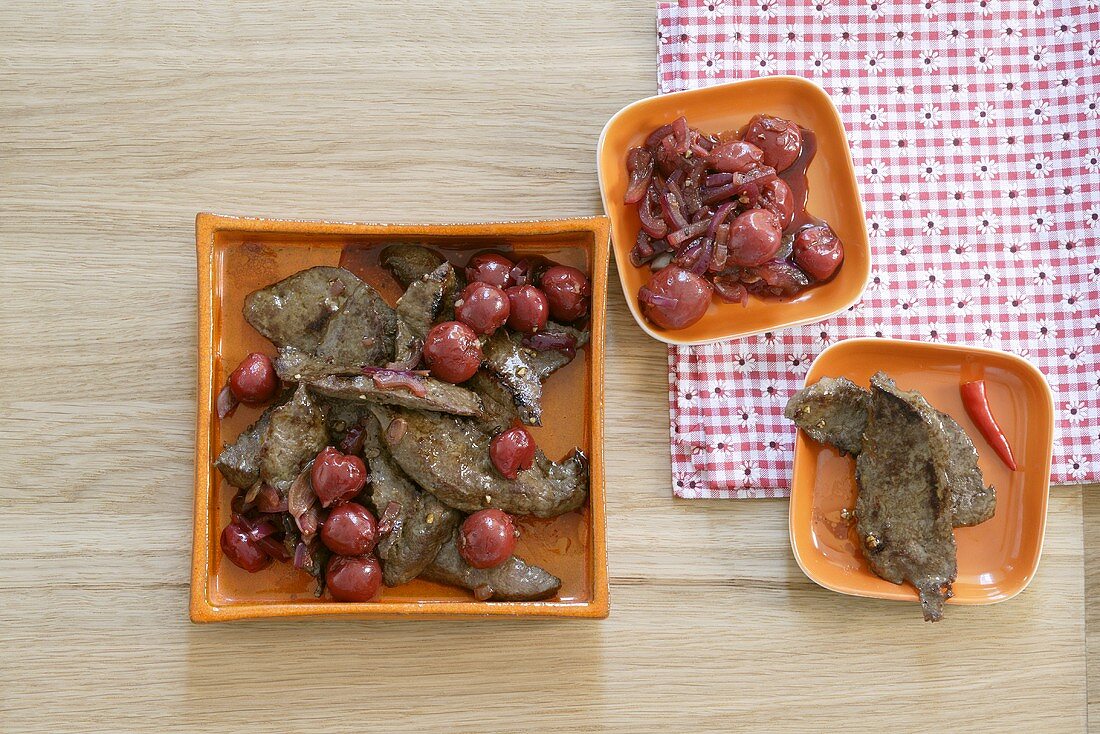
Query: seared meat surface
(239, 462)
(513, 580)
(439, 396)
(972, 501)
(423, 523)
(407, 262)
(833, 410)
(297, 310)
(904, 506)
(449, 457)
(514, 369)
(295, 432)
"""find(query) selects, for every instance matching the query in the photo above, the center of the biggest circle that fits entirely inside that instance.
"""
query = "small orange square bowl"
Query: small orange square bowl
(833, 196)
(239, 255)
(996, 559)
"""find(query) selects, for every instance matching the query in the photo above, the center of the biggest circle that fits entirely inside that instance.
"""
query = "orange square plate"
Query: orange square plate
(833, 197)
(237, 256)
(997, 559)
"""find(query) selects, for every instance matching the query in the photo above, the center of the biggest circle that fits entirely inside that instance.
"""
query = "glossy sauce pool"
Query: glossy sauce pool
(560, 545)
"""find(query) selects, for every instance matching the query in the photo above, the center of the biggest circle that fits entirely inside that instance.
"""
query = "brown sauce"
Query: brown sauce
(796, 179)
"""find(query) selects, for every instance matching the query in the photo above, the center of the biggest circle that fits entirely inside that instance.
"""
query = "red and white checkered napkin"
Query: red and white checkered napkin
(973, 127)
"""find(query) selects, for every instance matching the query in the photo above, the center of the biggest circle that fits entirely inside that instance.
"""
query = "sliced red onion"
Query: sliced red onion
(718, 179)
(647, 295)
(227, 402)
(388, 521)
(269, 500)
(730, 291)
(680, 134)
(302, 503)
(720, 218)
(412, 362)
(643, 251)
(672, 207)
(545, 341)
(687, 256)
(273, 548)
(352, 442)
(301, 556)
(256, 529)
(658, 135)
(699, 150)
(688, 232)
(671, 147)
(742, 183)
(639, 163)
(648, 212)
(521, 272)
(704, 213)
(398, 380)
(240, 502)
(483, 592)
(706, 254)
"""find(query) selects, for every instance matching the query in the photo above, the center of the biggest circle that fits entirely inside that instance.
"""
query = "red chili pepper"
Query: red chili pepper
(977, 407)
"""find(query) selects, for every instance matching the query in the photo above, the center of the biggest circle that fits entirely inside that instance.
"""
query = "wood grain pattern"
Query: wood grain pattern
(119, 121)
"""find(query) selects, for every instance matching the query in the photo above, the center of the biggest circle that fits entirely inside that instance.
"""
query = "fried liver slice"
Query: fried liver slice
(449, 457)
(904, 516)
(513, 580)
(423, 524)
(834, 411)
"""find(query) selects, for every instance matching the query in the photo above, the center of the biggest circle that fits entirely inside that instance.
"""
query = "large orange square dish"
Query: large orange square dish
(833, 196)
(239, 255)
(996, 559)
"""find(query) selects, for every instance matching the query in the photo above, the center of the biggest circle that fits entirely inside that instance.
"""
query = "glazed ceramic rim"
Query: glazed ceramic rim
(203, 609)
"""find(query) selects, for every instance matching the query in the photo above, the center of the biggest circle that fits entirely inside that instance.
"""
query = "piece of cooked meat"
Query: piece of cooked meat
(408, 262)
(239, 462)
(297, 310)
(422, 302)
(427, 300)
(295, 432)
(512, 580)
(326, 312)
(438, 395)
(449, 457)
(292, 365)
(423, 523)
(904, 504)
(498, 409)
(513, 367)
(972, 502)
(833, 410)
(549, 361)
(362, 332)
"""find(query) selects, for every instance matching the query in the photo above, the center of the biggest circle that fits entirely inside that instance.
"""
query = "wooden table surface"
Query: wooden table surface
(119, 121)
